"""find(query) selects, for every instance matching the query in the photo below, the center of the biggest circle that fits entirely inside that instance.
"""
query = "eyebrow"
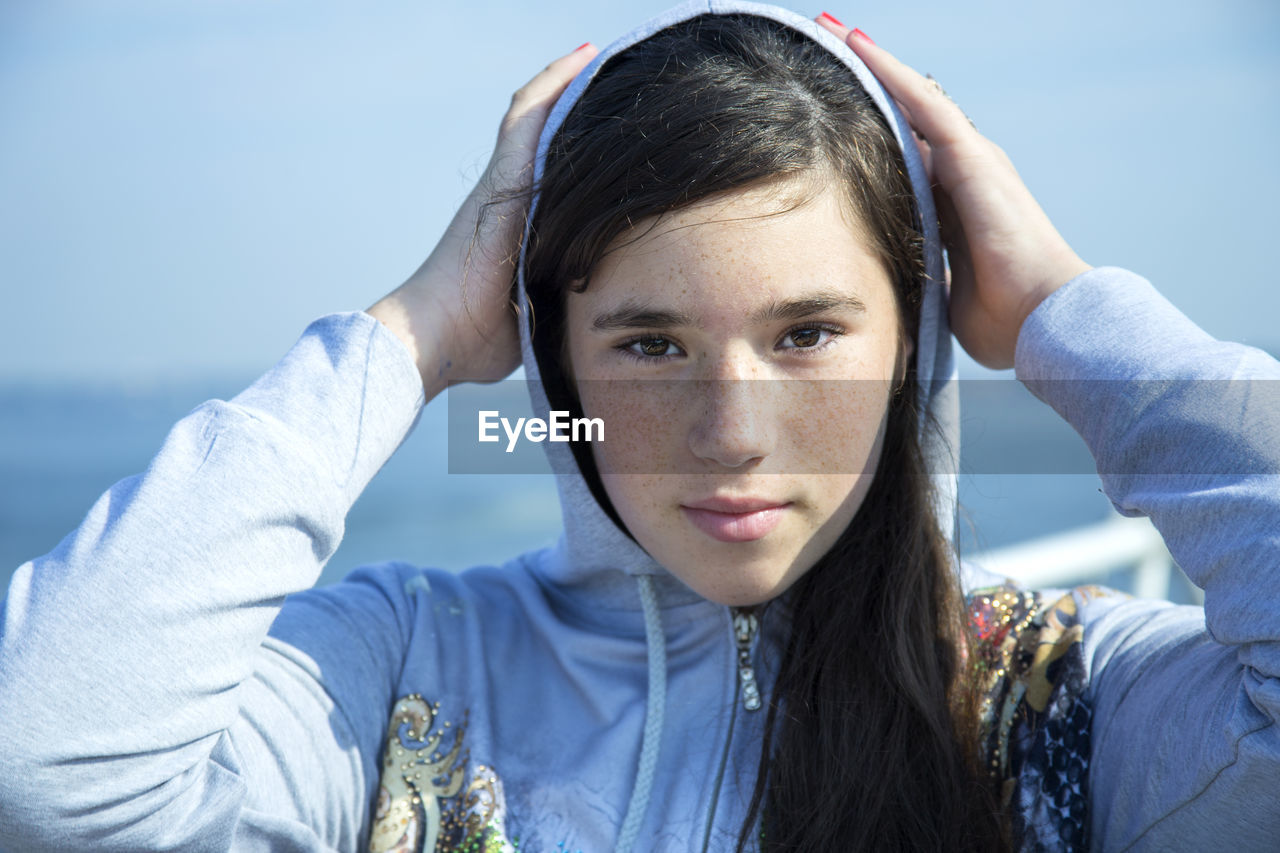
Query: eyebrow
(824, 302)
(636, 315)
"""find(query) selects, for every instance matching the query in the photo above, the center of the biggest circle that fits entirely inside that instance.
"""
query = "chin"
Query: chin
(739, 586)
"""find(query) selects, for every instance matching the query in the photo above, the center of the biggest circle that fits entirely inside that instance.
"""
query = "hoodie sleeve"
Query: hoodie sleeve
(142, 703)
(1185, 429)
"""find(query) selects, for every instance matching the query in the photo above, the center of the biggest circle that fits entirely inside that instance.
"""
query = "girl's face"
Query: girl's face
(742, 357)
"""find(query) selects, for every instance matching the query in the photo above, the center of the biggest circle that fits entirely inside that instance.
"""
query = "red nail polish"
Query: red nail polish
(832, 18)
(860, 34)
(581, 46)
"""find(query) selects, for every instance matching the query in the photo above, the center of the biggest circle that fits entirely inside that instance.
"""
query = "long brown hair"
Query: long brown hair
(872, 730)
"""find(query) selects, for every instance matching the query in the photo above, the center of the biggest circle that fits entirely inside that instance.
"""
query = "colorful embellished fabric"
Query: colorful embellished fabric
(1036, 721)
(431, 797)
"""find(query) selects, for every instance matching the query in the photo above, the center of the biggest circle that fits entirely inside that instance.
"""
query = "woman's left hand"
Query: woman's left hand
(1005, 254)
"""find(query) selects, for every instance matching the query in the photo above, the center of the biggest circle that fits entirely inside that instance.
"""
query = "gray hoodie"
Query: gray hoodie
(169, 680)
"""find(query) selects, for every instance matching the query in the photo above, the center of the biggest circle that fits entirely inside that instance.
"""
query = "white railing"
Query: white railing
(1130, 546)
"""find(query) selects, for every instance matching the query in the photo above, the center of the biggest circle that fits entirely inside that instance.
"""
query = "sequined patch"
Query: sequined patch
(1036, 723)
(432, 800)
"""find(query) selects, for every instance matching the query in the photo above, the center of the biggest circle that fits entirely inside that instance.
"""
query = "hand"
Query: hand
(1005, 255)
(455, 313)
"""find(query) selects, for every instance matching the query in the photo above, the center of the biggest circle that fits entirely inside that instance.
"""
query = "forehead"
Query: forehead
(735, 252)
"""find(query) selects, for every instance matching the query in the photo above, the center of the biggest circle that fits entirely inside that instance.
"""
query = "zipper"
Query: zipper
(746, 627)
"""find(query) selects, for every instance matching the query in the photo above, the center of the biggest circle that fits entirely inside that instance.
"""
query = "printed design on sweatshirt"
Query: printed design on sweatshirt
(432, 799)
(1035, 721)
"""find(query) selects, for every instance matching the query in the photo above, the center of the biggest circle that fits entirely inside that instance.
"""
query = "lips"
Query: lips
(735, 519)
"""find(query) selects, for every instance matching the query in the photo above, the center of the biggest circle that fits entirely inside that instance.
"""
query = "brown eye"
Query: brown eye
(805, 337)
(651, 347)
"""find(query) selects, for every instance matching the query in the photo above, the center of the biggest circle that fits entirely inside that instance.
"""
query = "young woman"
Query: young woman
(753, 633)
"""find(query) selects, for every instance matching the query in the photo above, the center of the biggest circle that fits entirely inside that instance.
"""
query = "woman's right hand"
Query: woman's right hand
(455, 313)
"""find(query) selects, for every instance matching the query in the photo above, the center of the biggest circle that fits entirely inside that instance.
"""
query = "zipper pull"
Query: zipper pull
(745, 627)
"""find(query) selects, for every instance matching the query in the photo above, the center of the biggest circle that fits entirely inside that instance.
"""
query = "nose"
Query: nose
(735, 423)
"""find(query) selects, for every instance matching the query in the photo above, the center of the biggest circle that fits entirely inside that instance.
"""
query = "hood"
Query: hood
(594, 549)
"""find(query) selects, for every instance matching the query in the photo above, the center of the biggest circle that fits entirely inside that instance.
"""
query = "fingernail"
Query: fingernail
(832, 18)
(860, 34)
(581, 46)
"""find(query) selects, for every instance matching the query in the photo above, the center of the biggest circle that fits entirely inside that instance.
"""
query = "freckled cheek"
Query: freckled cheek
(642, 447)
(831, 427)
(643, 427)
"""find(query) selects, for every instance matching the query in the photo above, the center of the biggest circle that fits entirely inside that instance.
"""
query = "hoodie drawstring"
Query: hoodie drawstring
(655, 711)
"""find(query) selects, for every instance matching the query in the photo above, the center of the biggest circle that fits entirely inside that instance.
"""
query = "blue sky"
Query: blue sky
(183, 186)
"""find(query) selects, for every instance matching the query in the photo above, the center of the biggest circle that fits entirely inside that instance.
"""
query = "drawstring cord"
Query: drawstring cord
(655, 710)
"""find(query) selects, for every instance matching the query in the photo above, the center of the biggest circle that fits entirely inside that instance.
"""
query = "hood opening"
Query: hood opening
(596, 539)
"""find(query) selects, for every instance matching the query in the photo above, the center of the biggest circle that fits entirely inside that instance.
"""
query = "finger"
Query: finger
(532, 102)
(847, 35)
(547, 85)
(927, 107)
(833, 26)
